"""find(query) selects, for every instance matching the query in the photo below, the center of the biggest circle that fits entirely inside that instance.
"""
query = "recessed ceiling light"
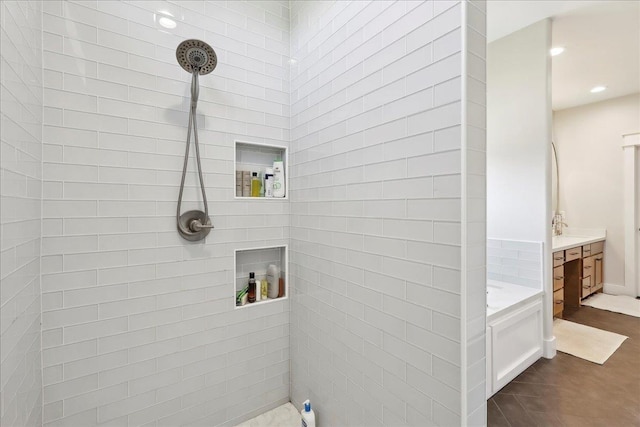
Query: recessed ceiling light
(597, 89)
(554, 51)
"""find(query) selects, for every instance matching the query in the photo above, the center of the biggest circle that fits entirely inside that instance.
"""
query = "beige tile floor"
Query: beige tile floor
(282, 416)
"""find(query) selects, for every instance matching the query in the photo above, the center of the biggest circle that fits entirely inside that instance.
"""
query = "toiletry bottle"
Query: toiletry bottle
(258, 291)
(264, 285)
(246, 184)
(308, 416)
(278, 178)
(273, 274)
(255, 185)
(252, 287)
(268, 182)
(238, 183)
(262, 177)
(280, 287)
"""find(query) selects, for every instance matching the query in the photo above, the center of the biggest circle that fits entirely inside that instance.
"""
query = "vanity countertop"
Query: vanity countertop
(573, 238)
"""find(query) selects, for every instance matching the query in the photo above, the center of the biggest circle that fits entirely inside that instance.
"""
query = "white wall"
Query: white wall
(519, 146)
(20, 217)
(589, 140)
(387, 203)
(139, 325)
(518, 135)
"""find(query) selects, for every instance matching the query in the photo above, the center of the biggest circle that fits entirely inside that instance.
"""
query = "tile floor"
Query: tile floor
(283, 416)
(568, 391)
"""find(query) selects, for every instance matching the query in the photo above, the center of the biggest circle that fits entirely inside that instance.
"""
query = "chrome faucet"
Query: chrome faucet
(557, 224)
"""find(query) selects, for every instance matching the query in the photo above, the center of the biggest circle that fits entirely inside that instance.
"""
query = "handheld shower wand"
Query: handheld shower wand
(197, 58)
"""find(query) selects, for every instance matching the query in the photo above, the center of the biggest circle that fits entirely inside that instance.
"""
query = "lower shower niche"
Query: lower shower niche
(269, 265)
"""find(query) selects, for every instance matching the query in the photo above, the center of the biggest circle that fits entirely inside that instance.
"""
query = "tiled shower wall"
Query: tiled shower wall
(514, 261)
(20, 195)
(387, 185)
(139, 325)
(474, 217)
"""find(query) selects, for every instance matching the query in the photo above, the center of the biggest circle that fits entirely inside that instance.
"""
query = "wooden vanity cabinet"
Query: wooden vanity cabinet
(592, 269)
(577, 273)
(558, 258)
(558, 302)
(597, 266)
(573, 253)
(587, 272)
(558, 283)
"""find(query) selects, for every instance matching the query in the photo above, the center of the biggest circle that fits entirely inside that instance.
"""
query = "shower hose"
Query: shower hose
(196, 225)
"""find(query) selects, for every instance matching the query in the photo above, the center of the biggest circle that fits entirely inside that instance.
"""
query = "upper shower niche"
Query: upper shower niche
(258, 157)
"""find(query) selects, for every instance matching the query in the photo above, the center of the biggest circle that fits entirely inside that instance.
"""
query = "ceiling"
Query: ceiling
(602, 41)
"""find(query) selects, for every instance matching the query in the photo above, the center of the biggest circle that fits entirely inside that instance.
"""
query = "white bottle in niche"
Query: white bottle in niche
(273, 278)
(258, 291)
(268, 182)
(278, 178)
(308, 416)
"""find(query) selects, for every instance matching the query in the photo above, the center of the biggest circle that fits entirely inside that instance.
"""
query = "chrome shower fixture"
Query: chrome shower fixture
(196, 54)
(197, 58)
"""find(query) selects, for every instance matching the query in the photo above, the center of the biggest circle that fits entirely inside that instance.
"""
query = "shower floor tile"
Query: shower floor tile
(282, 416)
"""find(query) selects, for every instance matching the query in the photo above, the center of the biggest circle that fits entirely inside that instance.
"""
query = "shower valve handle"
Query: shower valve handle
(196, 225)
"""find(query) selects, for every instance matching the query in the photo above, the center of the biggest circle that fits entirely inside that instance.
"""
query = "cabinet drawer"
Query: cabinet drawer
(588, 266)
(558, 258)
(586, 251)
(558, 302)
(597, 247)
(573, 253)
(597, 277)
(586, 287)
(558, 277)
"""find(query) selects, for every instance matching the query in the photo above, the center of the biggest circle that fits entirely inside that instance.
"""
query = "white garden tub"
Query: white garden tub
(514, 331)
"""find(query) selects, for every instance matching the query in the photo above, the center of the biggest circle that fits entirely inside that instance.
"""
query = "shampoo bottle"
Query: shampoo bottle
(268, 182)
(258, 291)
(273, 276)
(308, 416)
(278, 179)
(263, 289)
(255, 185)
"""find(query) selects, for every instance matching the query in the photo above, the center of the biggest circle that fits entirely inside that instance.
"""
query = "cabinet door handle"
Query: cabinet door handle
(586, 287)
(559, 258)
(599, 259)
(558, 278)
(574, 253)
(586, 267)
(560, 301)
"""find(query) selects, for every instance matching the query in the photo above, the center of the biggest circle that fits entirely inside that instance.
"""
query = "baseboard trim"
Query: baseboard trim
(619, 290)
(549, 348)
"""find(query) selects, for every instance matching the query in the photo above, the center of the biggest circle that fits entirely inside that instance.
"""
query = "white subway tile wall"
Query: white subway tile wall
(20, 212)
(474, 223)
(382, 105)
(139, 326)
(514, 261)
(378, 160)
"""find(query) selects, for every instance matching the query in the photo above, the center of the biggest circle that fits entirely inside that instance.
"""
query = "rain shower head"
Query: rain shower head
(196, 54)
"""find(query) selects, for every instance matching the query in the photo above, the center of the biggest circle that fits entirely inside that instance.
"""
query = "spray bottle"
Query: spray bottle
(308, 416)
